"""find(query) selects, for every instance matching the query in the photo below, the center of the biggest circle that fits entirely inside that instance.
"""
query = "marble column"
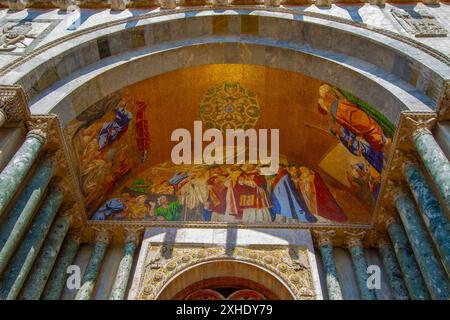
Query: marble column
(119, 288)
(393, 271)
(434, 217)
(17, 271)
(42, 268)
(435, 278)
(359, 262)
(434, 160)
(332, 279)
(93, 268)
(411, 273)
(16, 170)
(18, 219)
(57, 280)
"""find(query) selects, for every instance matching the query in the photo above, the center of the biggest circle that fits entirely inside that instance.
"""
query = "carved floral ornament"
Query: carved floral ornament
(163, 263)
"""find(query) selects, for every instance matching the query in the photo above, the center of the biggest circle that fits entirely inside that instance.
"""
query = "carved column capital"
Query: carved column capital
(355, 239)
(39, 128)
(420, 125)
(325, 237)
(133, 234)
(102, 235)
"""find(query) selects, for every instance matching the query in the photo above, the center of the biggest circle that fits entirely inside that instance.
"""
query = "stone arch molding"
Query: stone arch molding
(289, 266)
(68, 74)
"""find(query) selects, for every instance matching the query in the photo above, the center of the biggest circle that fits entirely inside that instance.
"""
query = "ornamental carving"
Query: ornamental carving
(419, 23)
(14, 36)
(230, 106)
(162, 263)
(13, 103)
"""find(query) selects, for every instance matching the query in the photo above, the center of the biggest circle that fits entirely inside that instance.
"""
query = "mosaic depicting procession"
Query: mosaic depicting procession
(113, 141)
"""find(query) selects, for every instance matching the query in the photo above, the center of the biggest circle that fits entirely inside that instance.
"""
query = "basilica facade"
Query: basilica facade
(224, 150)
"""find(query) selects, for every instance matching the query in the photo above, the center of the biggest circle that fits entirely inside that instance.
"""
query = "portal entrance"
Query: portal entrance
(225, 280)
(226, 288)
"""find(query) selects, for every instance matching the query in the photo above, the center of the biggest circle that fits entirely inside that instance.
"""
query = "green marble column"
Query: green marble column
(332, 278)
(17, 221)
(42, 268)
(411, 273)
(394, 274)
(93, 268)
(435, 278)
(17, 271)
(359, 262)
(123, 271)
(16, 170)
(57, 280)
(434, 217)
(434, 160)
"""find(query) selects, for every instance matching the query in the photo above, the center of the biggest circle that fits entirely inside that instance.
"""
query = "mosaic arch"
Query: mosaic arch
(334, 147)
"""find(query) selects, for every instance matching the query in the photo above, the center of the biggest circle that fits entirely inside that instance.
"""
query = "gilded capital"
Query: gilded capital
(354, 239)
(133, 234)
(324, 237)
(420, 125)
(38, 128)
(103, 236)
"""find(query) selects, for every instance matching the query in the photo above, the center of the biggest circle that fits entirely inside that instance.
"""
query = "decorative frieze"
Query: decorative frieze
(160, 267)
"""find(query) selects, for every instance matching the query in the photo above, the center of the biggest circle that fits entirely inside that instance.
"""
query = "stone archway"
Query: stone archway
(225, 279)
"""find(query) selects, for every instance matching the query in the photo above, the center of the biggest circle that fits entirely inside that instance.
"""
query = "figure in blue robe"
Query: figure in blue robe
(109, 209)
(355, 146)
(111, 131)
(287, 201)
(177, 178)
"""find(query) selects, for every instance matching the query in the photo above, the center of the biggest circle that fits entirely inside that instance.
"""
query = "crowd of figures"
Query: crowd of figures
(227, 193)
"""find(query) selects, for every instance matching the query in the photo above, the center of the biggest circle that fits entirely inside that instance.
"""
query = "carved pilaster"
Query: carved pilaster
(443, 105)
